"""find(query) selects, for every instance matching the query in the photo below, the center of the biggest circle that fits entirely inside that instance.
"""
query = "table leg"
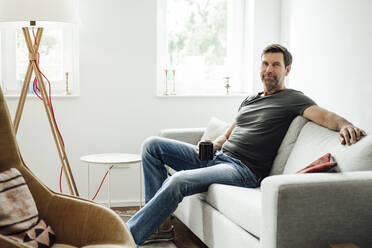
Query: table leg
(88, 181)
(108, 188)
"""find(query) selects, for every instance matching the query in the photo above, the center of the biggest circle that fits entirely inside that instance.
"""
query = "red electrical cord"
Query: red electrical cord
(99, 188)
(35, 89)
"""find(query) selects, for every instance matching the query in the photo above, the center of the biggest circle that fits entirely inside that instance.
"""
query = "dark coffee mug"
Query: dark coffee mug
(205, 150)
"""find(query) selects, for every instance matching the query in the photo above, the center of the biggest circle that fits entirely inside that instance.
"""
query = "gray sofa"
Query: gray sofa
(288, 210)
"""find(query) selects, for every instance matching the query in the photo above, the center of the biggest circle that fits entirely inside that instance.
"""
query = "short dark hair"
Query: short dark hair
(276, 48)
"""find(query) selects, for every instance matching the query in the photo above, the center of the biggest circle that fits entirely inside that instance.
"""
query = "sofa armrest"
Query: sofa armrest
(189, 135)
(316, 210)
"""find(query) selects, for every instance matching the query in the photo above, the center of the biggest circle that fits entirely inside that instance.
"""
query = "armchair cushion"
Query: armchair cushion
(40, 235)
(19, 216)
(18, 210)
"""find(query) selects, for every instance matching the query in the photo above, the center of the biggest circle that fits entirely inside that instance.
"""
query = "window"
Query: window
(203, 44)
(58, 60)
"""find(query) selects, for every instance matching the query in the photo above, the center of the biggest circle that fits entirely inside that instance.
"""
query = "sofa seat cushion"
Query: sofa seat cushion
(241, 205)
(315, 141)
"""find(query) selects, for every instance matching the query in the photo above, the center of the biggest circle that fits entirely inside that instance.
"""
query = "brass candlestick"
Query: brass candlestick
(227, 85)
(67, 90)
(174, 82)
(166, 83)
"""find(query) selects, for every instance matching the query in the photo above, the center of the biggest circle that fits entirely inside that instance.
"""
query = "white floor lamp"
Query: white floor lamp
(40, 14)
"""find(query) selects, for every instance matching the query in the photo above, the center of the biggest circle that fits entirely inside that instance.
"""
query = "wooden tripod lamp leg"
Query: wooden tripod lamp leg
(26, 83)
(49, 115)
(22, 98)
(33, 66)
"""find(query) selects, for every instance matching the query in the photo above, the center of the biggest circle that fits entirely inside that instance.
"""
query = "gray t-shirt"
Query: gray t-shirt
(261, 125)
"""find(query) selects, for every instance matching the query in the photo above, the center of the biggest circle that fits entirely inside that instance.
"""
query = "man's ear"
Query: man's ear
(287, 70)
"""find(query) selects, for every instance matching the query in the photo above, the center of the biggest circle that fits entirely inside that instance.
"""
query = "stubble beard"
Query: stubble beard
(271, 84)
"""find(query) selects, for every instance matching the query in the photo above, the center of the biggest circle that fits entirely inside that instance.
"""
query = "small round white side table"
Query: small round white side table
(114, 159)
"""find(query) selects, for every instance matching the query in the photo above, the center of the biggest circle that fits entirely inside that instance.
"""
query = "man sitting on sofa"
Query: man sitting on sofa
(243, 155)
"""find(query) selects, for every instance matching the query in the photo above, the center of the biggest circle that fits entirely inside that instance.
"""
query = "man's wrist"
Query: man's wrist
(345, 124)
(218, 143)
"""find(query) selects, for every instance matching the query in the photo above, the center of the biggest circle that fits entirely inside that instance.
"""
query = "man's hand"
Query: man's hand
(350, 134)
(220, 140)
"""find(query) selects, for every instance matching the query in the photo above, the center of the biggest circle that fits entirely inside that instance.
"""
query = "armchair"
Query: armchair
(76, 222)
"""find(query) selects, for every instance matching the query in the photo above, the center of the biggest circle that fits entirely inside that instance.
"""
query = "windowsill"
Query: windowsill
(231, 95)
(35, 97)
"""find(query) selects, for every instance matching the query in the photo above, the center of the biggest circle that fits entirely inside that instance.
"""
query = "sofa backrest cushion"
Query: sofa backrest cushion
(314, 141)
(287, 145)
(215, 128)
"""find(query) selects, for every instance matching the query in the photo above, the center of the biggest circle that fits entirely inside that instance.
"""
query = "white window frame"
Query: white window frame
(9, 82)
(240, 39)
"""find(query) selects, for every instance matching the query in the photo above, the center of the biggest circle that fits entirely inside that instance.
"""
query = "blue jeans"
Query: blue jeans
(163, 193)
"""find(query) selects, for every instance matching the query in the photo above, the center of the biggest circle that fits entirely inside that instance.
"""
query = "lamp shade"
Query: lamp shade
(21, 12)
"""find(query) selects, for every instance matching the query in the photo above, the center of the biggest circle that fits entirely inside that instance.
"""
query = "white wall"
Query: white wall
(331, 45)
(118, 107)
(267, 30)
(330, 41)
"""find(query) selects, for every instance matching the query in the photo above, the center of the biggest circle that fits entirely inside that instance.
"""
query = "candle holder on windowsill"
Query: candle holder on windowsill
(67, 90)
(166, 83)
(227, 85)
(170, 75)
(173, 92)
